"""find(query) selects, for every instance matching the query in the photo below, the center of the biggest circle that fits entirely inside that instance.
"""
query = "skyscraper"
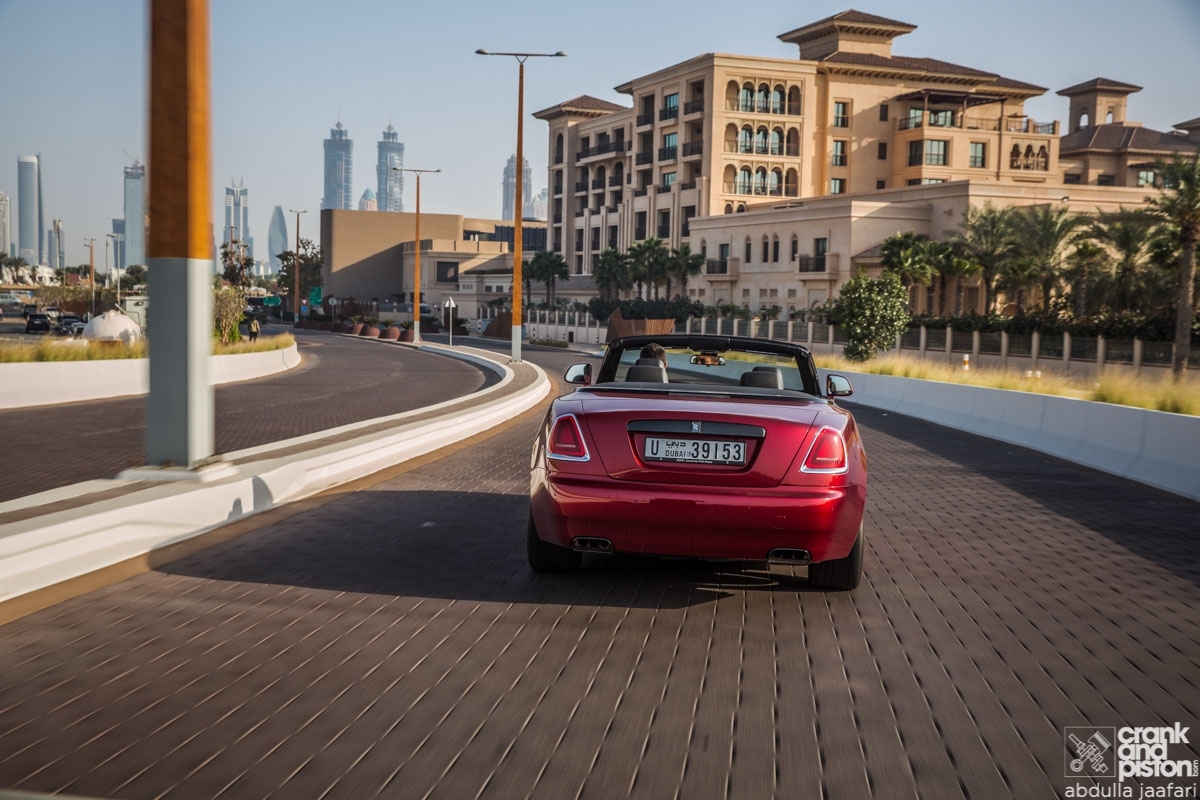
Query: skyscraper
(52, 249)
(339, 170)
(118, 243)
(56, 248)
(510, 188)
(277, 238)
(5, 225)
(29, 218)
(134, 251)
(237, 217)
(390, 194)
(367, 201)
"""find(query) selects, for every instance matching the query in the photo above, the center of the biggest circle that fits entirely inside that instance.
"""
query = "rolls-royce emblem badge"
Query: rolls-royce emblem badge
(695, 427)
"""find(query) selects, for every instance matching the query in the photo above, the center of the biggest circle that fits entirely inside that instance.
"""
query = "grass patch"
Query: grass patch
(549, 343)
(1155, 393)
(49, 349)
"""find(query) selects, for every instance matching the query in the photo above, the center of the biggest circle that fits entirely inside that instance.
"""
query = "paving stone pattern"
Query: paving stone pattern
(339, 381)
(393, 643)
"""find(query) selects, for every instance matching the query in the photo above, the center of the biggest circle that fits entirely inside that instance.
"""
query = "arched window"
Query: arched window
(760, 141)
(1084, 120)
(749, 250)
(777, 100)
(704, 244)
(793, 142)
(747, 98)
(1108, 118)
(1028, 164)
(795, 251)
(764, 94)
(777, 142)
(760, 181)
(775, 186)
(731, 138)
(774, 249)
(744, 182)
(741, 207)
(766, 249)
(1014, 159)
(731, 96)
(746, 140)
(558, 149)
(791, 184)
(795, 105)
(729, 208)
(1043, 159)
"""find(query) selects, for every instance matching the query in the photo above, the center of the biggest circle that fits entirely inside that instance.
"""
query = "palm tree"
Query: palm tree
(611, 273)
(1020, 274)
(547, 266)
(1127, 232)
(649, 263)
(682, 265)
(985, 238)
(1084, 262)
(903, 256)
(1179, 206)
(1043, 232)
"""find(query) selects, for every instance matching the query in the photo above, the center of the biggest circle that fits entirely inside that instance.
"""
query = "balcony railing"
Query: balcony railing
(557, 219)
(639, 234)
(667, 153)
(784, 190)
(611, 209)
(640, 192)
(716, 266)
(664, 231)
(693, 149)
(616, 180)
(753, 107)
(643, 158)
(683, 187)
(645, 119)
(668, 113)
(1011, 124)
(581, 186)
(558, 188)
(663, 188)
(579, 213)
(812, 263)
(693, 106)
(598, 183)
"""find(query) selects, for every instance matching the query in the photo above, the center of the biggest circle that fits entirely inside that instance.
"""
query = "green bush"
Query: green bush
(872, 313)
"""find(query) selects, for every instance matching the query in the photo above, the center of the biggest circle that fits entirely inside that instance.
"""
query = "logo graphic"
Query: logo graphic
(695, 427)
(1090, 753)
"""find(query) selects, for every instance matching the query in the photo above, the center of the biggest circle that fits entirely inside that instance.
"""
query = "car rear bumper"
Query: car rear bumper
(679, 521)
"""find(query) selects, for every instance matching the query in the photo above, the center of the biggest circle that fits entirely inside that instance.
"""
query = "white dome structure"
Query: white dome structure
(112, 326)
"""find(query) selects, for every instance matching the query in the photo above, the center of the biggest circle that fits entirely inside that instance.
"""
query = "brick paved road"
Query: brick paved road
(391, 642)
(339, 381)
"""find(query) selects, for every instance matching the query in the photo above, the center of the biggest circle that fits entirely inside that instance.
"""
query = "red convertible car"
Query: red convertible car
(701, 447)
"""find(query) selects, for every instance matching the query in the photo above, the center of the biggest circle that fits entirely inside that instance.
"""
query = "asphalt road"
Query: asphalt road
(388, 640)
(339, 381)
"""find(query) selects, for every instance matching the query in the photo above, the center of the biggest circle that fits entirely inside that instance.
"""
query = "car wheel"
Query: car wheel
(841, 574)
(547, 557)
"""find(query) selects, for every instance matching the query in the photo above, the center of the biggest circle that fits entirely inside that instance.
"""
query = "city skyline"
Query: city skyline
(276, 145)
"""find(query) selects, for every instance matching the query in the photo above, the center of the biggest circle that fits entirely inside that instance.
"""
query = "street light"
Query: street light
(417, 254)
(113, 236)
(296, 266)
(517, 199)
(91, 246)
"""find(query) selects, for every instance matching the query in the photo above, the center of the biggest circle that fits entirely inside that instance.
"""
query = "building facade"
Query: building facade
(133, 250)
(29, 210)
(747, 159)
(237, 217)
(339, 170)
(389, 179)
(528, 195)
(277, 239)
(367, 202)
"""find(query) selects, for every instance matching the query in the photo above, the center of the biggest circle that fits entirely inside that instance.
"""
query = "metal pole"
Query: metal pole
(517, 231)
(296, 268)
(91, 245)
(417, 271)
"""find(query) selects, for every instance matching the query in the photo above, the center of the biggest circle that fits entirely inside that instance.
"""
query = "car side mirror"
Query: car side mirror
(838, 386)
(579, 373)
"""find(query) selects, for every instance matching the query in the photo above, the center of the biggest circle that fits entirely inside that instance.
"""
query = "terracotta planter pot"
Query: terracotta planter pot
(355, 329)
(370, 331)
(391, 334)
(406, 335)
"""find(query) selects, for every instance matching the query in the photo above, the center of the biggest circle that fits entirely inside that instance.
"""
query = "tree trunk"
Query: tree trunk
(1184, 313)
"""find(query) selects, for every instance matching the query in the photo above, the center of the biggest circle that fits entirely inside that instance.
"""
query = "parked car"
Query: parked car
(37, 322)
(67, 323)
(732, 450)
(27, 309)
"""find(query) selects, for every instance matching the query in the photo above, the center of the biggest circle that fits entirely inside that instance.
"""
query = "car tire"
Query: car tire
(547, 557)
(841, 574)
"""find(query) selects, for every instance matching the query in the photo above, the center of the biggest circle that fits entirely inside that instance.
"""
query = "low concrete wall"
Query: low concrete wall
(1151, 447)
(48, 382)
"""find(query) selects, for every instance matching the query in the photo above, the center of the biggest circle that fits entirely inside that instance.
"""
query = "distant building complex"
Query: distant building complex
(133, 247)
(277, 238)
(510, 189)
(237, 217)
(390, 181)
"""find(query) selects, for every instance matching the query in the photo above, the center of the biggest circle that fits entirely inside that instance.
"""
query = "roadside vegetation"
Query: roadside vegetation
(75, 350)
(1160, 393)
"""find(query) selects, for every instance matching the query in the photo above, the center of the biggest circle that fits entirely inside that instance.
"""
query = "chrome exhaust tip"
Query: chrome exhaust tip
(592, 544)
(789, 555)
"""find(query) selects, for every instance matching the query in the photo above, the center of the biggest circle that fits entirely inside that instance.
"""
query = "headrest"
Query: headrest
(763, 378)
(647, 374)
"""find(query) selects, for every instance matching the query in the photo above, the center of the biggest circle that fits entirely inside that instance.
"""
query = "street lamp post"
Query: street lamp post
(296, 266)
(113, 236)
(517, 198)
(91, 246)
(416, 320)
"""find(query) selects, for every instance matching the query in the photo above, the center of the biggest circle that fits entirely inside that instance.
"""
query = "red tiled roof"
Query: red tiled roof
(1117, 137)
(1099, 84)
(583, 104)
(927, 66)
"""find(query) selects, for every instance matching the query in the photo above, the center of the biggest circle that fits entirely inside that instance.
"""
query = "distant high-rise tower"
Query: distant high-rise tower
(56, 248)
(52, 249)
(339, 170)
(29, 215)
(5, 225)
(277, 238)
(390, 195)
(510, 188)
(237, 217)
(540, 205)
(134, 250)
(118, 243)
(367, 201)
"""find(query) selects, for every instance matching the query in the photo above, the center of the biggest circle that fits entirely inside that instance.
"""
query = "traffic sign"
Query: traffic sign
(450, 303)
(314, 297)
(271, 301)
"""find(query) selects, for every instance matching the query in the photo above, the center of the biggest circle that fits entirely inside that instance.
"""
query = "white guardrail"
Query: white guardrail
(40, 383)
(1151, 447)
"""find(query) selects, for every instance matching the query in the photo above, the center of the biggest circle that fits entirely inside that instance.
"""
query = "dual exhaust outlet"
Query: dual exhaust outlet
(789, 555)
(592, 544)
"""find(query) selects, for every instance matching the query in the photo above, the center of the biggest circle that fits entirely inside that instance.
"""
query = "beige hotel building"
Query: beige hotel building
(787, 174)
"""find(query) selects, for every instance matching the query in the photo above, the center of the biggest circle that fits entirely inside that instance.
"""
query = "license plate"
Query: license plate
(694, 451)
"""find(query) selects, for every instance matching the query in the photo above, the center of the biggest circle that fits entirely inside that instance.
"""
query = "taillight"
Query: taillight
(566, 440)
(827, 455)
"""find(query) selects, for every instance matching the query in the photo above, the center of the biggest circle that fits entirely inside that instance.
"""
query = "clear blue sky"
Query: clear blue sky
(73, 81)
